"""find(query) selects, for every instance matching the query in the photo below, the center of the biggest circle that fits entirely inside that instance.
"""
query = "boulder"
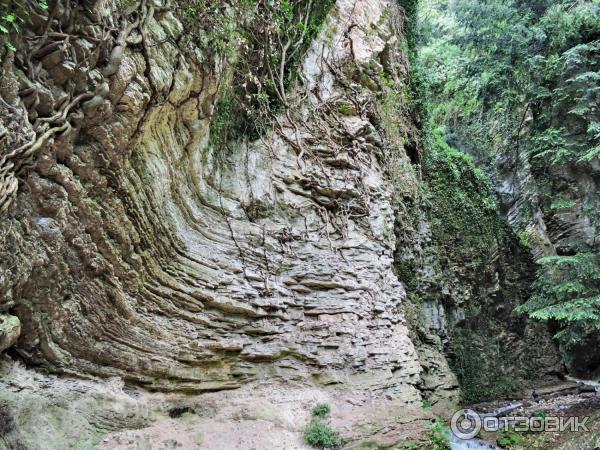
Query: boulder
(10, 329)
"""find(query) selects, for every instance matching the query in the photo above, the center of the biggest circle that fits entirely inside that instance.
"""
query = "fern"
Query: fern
(567, 290)
(552, 146)
(594, 152)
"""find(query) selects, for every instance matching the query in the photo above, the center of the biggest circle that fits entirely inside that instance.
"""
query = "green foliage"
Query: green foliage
(229, 122)
(488, 61)
(513, 440)
(463, 210)
(567, 290)
(551, 145)
(510, 439)
(591, 209)
(263, 42)
(478, 363)
(13, 14)
(426, 404)
(220, 18)
(515, 79)
(321, 410)
(594, 152)
(562, 203)
(320, 435)
(526, 237)
(468, 231)
(8, 20)
(397, 102)
(411, 17)
(438, 437)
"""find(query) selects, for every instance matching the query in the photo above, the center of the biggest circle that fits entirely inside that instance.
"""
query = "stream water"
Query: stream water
(594, 384)
(471, 444)
(505, 410)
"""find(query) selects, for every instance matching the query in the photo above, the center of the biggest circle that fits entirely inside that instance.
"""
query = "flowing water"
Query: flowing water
(594, 384)
(471, 444)
(478, 444)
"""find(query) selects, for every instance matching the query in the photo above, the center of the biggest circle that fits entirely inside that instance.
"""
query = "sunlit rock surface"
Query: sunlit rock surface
(136, 251)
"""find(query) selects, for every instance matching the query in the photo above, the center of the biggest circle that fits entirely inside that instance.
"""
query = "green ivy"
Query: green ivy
(463, 209)
(13, 14)
(478, 363)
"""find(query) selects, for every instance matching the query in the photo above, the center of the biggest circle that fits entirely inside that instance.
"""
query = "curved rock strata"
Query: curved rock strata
(134, 249)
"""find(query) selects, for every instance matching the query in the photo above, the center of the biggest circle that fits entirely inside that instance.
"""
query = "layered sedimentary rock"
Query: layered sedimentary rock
(46, 412)
(134, 249)
(56, 413)
(465, 273)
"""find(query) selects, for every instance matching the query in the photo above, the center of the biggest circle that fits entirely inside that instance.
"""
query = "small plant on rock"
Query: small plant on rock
(321, 410)
(318, 433)
(439, 437)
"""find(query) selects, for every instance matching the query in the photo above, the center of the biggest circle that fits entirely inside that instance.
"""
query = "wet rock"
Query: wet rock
(562, 388)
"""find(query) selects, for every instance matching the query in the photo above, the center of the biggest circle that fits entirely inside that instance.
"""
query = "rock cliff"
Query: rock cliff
(132, 249)
(136, 248)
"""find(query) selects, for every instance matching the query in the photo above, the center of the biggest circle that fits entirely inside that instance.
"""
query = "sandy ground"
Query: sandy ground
(265, 416)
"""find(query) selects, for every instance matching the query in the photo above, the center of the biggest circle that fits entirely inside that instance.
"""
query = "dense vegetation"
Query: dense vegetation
(516, 83)
(491, 63)
(13, 14)
(262, 43)
(476, 256)
(568, 291)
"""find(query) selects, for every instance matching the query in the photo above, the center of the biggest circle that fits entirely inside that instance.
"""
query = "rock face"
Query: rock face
(554, 209)
(550, 197)
(465, 273)
(10, 328)
(46, 412)
(132, 249)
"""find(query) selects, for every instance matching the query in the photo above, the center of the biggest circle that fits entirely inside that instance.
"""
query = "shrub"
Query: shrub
(319, 434)
(321, 410)
(439, 437)
(511, 439)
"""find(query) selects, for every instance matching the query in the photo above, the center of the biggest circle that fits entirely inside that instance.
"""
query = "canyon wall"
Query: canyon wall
(133, 248)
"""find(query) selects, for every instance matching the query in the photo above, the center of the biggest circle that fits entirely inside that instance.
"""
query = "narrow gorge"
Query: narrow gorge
(220, 217)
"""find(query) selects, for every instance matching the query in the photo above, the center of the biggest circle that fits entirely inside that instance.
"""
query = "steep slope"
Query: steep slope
(237, 197)
(515, 85)
(465, 273)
